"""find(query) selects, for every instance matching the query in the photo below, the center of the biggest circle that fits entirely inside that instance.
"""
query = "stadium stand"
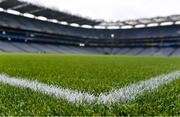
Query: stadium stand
(176, 52)
(31, 35)
(149, 51)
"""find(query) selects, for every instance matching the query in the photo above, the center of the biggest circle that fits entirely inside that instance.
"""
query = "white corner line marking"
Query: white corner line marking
(125, 94)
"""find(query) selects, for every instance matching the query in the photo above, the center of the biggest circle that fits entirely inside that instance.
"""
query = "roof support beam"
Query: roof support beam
(36, 10)
(19, 6)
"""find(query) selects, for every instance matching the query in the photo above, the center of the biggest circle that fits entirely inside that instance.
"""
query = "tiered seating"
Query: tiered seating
(135, 51)
(8, 47)
(149, 51)
(25, 47)
(176, 52)
(165, 51)
(17, 47)
(43, 48)
(123, 51)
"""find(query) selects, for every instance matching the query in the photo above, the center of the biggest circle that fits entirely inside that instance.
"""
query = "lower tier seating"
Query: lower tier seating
(17, 47)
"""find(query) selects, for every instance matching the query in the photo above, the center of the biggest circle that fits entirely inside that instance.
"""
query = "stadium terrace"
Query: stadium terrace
(42, 30)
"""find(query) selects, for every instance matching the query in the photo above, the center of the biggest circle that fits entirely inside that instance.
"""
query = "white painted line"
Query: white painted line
(130, 92)
(59, 92)
(125, 94)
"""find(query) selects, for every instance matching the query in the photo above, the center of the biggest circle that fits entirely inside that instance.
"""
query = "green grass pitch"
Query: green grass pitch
(87, 73)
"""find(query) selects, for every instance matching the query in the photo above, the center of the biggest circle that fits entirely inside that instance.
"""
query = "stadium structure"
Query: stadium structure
(30, 28)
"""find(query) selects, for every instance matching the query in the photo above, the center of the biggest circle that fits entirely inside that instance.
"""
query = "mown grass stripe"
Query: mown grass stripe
(125, 94)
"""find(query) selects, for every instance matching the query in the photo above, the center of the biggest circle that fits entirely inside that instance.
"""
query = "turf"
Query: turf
(91, 73)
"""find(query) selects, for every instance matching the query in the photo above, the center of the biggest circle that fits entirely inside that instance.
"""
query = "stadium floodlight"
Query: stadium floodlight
(82, 45)
(9, 39)
(126, 27)
(63, 23)
(86, 26)
(140, 26)
(75, 25)
(167, 23)
(1, 10)
(13, 12)
(178, 22)
(42, 18)
(54, 20)
(112, 35)
(28, 15)
(32, 35)
(3, 32)
(153, 25)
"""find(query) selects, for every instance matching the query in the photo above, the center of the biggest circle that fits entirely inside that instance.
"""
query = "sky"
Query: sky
(114, 10)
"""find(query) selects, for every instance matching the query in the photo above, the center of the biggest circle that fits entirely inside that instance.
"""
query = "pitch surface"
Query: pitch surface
(94, 74)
